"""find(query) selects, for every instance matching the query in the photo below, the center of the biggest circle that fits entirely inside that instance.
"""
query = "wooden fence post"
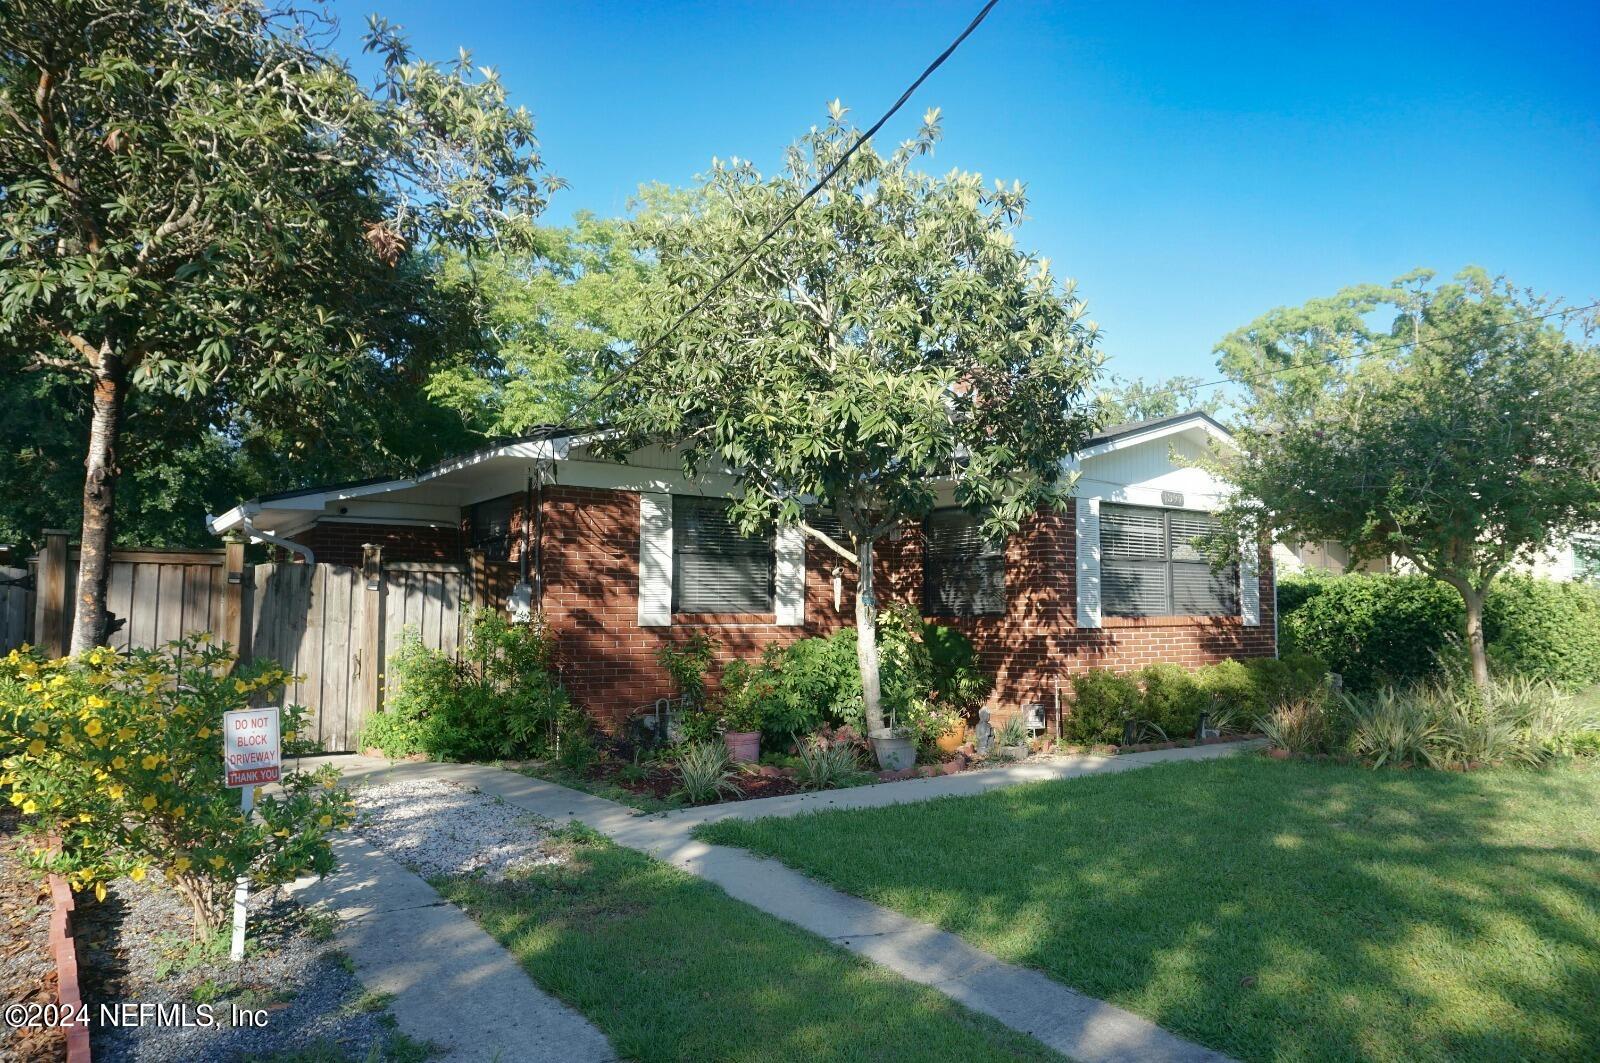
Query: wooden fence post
(234, 614)
(372, 662)
(50, 619)
(478, 578)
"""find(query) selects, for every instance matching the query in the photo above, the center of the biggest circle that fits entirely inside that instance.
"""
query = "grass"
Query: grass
(1271, 909)
(671, 968)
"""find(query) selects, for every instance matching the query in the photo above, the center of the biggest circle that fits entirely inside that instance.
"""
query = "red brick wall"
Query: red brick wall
(591, 551)
(340, 543)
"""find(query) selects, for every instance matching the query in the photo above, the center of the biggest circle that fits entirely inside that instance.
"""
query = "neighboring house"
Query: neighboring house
(633, 556)
(1577, 561)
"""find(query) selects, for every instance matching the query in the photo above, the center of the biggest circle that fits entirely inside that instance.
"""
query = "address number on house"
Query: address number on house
(252, 749)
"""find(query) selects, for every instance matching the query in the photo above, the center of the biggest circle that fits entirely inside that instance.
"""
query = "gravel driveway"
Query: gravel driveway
(439, 828)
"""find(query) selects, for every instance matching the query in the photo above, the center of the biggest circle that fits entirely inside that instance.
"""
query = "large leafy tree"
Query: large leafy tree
(202, 203)
(1137, 399)
(1454, 424)
(890, 338)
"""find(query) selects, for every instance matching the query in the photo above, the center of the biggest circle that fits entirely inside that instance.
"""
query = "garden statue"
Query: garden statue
(984, 737)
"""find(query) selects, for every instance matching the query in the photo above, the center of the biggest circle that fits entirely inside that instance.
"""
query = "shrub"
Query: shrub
(120, 756)
(1173, 699)
(688, 664)
(1378, 630)
(823, 765)
(1232, 697)
(1294, 677)
(1396, 727)
(500, 699)
(1371, 629)
(1101, 702)
(1544, 630)
(750, 695)
(705, 772)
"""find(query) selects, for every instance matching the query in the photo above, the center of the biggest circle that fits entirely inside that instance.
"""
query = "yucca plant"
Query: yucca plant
(1299, 726)
(705, 773)
(824, 766)
(1396, 727)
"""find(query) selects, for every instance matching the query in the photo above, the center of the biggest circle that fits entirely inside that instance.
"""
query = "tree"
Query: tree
(1464, 436)
(202, 203)
(1135, 399)
(891, 337)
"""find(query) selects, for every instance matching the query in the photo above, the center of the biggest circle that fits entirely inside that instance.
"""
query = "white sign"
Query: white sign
(252, 752)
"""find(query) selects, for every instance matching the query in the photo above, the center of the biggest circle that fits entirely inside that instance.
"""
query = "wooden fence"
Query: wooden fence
(16, 607)
(332, 626)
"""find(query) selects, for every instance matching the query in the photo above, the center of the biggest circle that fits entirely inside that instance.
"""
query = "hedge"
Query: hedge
(1377, 629)
(1173, 698)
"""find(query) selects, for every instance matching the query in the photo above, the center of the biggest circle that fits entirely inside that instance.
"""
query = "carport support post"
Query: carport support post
(50, 608)
(233, 612)
(372, 662)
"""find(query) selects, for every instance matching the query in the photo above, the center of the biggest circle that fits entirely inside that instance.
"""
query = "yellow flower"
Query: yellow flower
(29, 806)
(93, 727)
(40, 728)
(119, 761)
(240, 686)
(148, 803)
(149, 762)
(99, 891)
(217, 862)
(178, 812)
(116, 792)
(204, 732)
(288, 736)
(124, 733)
(95, 701)
(137, 874)
(181, 864)
(325, 822)
(36, 748)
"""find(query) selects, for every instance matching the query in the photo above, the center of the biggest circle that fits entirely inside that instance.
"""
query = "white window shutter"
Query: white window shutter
(1249, 583)
(655, 560)
(789, 576)
(1088, 510)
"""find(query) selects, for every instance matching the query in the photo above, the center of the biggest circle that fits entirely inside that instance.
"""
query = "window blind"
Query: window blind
(715, 569)
(1153, 563)
(964, 574)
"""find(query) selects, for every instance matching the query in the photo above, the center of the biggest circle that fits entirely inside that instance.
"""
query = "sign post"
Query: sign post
(252, 754)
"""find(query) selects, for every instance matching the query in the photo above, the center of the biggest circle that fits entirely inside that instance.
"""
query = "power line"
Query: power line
(1331, 359)
(744, 260)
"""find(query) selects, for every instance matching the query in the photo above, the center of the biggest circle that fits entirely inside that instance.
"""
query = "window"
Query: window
(714, 568)
(964, 574)
(491, 527)
(1151, 564)
(1586, 559)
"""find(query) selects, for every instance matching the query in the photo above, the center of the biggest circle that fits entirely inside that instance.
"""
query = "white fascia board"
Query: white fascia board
(1158, 433)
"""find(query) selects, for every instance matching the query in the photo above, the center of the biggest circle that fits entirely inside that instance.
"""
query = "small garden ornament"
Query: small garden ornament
(984, 736)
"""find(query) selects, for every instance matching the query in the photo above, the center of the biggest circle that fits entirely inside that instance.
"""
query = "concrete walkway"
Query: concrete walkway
(452, 984)
(1076, 1025)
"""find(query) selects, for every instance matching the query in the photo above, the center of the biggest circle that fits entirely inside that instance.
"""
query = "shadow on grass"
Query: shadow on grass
(671, 968)
(1272, 910)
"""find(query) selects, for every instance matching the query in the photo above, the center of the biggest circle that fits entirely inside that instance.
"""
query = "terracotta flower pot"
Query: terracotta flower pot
(743, 746)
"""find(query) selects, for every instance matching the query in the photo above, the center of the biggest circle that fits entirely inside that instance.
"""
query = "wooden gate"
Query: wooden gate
(16, 608)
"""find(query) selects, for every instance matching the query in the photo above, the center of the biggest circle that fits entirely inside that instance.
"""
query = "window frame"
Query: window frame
(681, 507)
(987, 552)
(1232, 604)
(479, 541)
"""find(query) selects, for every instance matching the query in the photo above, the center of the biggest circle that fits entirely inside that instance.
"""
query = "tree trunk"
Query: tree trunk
(867, 637)
(1475, 645)
(99, 493)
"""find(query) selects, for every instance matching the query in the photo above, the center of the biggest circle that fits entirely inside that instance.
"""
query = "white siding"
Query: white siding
(1249, 584)
(655, 560)
(1088, 510)
(789, 576)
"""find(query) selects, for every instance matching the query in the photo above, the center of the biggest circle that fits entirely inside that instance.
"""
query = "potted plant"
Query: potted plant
(1013, 739)
(745, 693)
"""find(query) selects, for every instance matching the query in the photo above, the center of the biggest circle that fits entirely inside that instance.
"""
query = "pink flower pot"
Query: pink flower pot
(743, 746)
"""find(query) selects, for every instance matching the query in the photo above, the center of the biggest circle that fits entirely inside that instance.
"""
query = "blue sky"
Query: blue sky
(1192, 165)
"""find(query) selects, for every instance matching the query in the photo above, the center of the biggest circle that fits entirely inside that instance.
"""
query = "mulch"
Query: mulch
(661, 783)
(27, 967)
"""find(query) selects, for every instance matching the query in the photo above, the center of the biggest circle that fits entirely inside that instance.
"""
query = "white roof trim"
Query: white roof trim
(1134, 439)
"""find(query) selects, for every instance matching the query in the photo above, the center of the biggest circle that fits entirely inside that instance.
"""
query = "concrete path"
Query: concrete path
(1076, 1025)
(452, 984)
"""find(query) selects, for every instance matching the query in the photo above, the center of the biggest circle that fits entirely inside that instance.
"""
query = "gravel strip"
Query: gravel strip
(137, 950)
(439, 828)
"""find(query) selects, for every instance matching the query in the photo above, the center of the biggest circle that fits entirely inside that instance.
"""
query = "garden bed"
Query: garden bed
(135, 948)
(27, 966)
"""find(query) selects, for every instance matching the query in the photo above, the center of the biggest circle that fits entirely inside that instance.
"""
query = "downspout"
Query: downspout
(293, 547)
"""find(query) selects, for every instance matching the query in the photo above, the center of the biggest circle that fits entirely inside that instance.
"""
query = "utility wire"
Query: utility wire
(1331, 359)
(744, 260)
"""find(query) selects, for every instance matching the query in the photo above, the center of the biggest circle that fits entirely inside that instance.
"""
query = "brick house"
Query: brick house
(628, 557)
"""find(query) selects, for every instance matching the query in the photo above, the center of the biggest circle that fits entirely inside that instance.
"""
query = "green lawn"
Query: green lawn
(1275, 910)
(671, 968)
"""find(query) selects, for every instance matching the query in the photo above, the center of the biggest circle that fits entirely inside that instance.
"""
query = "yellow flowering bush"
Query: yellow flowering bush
(120, 757)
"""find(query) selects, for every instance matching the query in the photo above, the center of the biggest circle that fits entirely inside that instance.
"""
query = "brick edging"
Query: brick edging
(65, 949)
